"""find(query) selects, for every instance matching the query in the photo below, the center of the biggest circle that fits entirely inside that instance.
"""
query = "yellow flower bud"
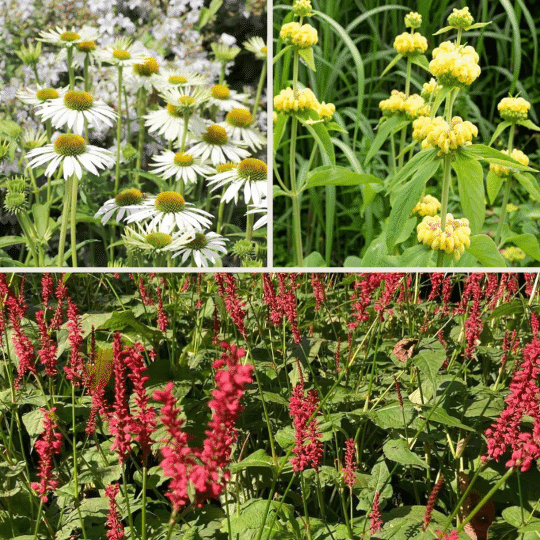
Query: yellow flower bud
(413, 20)
(302, 37)
(453, 240)
(302, 8)
(460, 19)
(454, 67)
(288, 101)
(513, 253)
(325, 110)
(513, 109)
(408, 44)
(428, 206)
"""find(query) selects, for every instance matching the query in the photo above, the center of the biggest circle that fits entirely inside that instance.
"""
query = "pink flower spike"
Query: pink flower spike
(376, 521)
(114, 520)
(349, 471)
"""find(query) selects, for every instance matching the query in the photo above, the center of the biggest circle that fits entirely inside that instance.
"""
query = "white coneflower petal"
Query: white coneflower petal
(182, 165)
(123, 52)
(204, 247)
(215, 146)
(169, 122)
(225, 98)
(127, 202)
(238, 124)
(63, 37)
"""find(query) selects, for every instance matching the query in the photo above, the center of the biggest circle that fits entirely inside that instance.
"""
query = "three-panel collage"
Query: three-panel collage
(269, 270)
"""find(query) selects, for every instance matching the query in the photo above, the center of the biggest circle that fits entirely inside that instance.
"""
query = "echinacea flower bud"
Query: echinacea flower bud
(30, 54)
(225, 53)
(518, 155)
(302, 8)
(460, 19)
(513, 253)
(413, 20)
(288, 101)
(408, 44)
(428, 206)
(455, 66)
(454, 239)
(513, 109)
(15, 202)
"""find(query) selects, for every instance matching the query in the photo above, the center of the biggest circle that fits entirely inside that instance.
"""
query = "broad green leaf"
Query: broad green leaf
(33, 422)
(412, 166)
(493, 185)
(529, 182)
(421, 60)
(352, 261)
(397, 450)
(470, 177)
(279, 129)
(528, 243)
(406, 199)
(122, 320)
(429, 361)
(529, 125)
(477, 25)
(338, 176)
(307, 56)
(259, 458)
(484, 249)
(314, 259)
(440, 416)
(512, 515)
(443, 30)
(391, 416)
(394, 61)
(391, 125)
(418, 256)
(7, 241)
(500, 128)
(481, 151)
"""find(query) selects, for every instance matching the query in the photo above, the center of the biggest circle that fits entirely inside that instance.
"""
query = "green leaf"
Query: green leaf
(126, 320)
(406, 199)
(259, 458)
(528, 181)
(398, 451)
(391, 416)
(493, 185)
(392, 125)
(470, 177)
(477, 25)
(338, 176)
(394, 61)
(484, 249)
(440, 416)
(207, 13)
(481, 151)
(512, 515)
(307, 56)
(429, 361)
(500, 128)
(314, 259)
(279, 128)
(7, 241)
(322, 138)
(443, 30)
(528, 243)
(352, 261)
(412, 166)
(529, 125)
(420, 60)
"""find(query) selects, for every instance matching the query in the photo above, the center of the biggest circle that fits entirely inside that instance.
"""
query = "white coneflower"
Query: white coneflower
(225, 98)
(215, 146)
(225, 52)
(38, 95)
(205, 247)
(72, 152)
(250, 175)
(169, 122)
(187, 99)
(123, 52)
(142, 74)
(261, 208)
(169, 209)
(81, 50)
(73, 108)
(32, 138)
(124, 204)
(63, 37)
(238, 125)
(182, 165)
(171, 78)
(257, 46)
(155, 238)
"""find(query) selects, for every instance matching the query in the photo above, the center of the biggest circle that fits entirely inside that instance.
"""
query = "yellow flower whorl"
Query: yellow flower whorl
(513, 109)
(460, 18)
(437, 133)
(287, 101)
(454, 67)
(412, 107)
(428, 206)
(454, 239)
(302, 8)
(430, 88)
(518, 155)
(325, 110)
(303, 37)
(513, 253)
(408, 44)
(413, 20)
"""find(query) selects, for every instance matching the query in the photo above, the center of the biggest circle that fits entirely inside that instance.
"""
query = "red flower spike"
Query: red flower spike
(349, 471)
(47, 346)
(431, 502)
(233, 304)
(163, 322)
(49, 443)
(75, 371)
(47, 289)
(450, 536)
(318, 290)
(376, 522)
(114, 520)
(61, 295)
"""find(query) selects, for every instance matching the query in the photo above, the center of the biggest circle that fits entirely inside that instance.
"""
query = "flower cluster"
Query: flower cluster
(455, 66)
(349, 470)
(412, 107)
(289, 101)
(408, 44)
(413, 20)
(428, 206)
(447, 137)
(114, 520)
(303, 37)
(454, 239)
(513, 253)
(460, 19)
(514, 109)
(430, 89)
(376, 521)
(500, 170)
(302, 8)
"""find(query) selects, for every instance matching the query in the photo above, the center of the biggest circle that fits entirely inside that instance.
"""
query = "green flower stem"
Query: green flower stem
(304, 501)
(481, 504)
(86, 88)
(75, 473)
(34, 67)
(70, 67)
(187, 116)
(143, 509)
(126, 498)
(118, 130)
(249, 226)
(221, 210)
(222, 73)
(142, 106)
(508, 187)
(128, 124)
(38, 519)
(262, 80)
(29, 233)
(447, 166)
(64, 223)
(297, 223)
(404, 130)
(74, 193)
